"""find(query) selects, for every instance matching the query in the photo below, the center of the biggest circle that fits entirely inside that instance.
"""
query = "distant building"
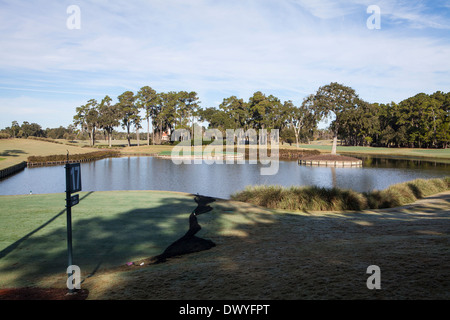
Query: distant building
(165, 137)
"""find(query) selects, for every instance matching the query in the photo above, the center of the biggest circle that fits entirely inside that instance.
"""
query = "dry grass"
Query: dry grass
(17, 150)
(334, 199)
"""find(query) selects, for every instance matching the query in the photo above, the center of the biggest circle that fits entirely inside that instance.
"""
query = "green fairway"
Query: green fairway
(109, 229)
(409, 152)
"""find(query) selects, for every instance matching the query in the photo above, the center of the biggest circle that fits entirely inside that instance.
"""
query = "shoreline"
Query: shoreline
(16, 151)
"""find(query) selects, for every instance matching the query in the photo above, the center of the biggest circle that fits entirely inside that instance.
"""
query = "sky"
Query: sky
(54, 59)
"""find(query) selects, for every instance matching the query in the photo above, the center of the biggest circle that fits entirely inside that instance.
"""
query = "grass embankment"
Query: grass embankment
(333, 199)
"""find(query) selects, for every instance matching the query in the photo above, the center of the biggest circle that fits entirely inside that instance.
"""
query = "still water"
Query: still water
(219, 180)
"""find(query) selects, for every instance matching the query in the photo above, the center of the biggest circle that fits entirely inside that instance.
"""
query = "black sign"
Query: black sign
(74, 200)
(73, 178)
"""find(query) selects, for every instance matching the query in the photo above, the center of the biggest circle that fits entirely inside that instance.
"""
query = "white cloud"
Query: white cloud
(288, 48)
(328, 9)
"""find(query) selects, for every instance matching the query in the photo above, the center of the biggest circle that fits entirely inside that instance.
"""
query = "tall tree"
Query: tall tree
(88, 118)
(333, 99)
(31, 130)
(263, 110)
(147, 100)
(109, 117)
(238, 111)
(15, 128)
(301, 119)
(128, 111)
(187, 107)
(217, 119)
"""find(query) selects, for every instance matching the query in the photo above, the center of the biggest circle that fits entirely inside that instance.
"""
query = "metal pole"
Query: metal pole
(69, 218)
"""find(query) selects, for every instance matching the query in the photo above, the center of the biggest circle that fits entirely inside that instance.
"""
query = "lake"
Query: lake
(219, 180)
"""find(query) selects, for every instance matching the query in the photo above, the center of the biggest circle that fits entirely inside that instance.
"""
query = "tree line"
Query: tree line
(165, 111)
(27, 129)
(421, 121)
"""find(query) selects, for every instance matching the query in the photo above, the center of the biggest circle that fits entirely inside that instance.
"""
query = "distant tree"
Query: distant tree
(358, 124)
(15, 128)
(136, 120)
(87, 117)
(334, 99)
(56, 133)
(238, 111)
(31, 130)
(128, 111)
(187, 107)
(109, 117)
(217, 119)
(302, 119)
(263, 111)
(147, 100)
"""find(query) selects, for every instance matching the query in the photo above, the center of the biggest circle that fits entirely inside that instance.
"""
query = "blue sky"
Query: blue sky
(218, 48)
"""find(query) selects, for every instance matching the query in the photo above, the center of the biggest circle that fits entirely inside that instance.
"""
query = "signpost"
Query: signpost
(73, 185)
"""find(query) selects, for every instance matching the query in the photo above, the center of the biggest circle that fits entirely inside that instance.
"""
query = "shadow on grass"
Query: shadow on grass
(14, 245)
(12, 153)
(101, 241)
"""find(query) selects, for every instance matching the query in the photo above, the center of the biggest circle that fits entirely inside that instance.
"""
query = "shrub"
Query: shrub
(74, 157)
(325, 199)
(4, 135)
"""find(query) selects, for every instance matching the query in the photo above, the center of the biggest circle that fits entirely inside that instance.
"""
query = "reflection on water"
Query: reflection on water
(148, 173)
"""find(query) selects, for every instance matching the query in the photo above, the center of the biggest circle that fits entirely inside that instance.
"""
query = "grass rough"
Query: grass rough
(334, 199)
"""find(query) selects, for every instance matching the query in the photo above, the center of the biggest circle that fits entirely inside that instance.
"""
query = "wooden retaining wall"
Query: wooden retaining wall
(12, 170)
(59, 163)
(330, 163)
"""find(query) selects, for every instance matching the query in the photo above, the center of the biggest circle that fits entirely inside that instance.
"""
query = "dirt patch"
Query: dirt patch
(42, 294)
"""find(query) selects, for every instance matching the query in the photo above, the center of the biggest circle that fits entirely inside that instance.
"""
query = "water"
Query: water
(148, 173)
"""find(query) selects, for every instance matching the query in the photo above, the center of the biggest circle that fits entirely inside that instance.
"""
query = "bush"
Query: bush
(4, 135)
(323, 199)
(74, 157)
(302, 198)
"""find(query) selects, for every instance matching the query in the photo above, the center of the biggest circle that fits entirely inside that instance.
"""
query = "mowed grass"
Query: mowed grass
(331, 199)
(17, 150)
(407, 152)
(109, 229)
